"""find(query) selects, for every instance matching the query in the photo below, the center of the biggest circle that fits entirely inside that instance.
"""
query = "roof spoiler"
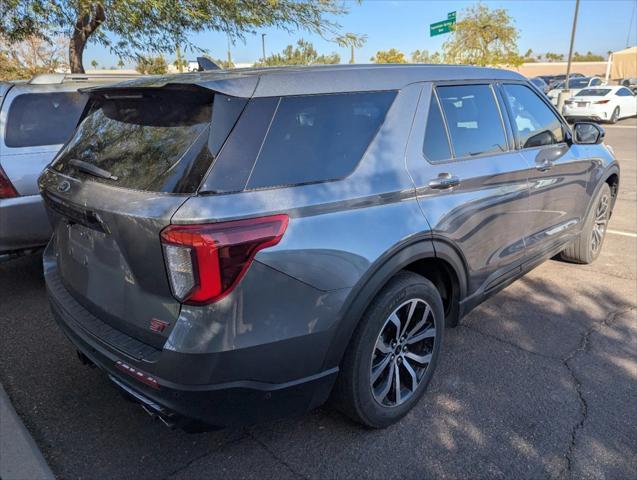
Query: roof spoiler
(205, 64)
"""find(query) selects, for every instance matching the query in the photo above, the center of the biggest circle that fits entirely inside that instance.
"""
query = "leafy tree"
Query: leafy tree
(120, 64)
(303, 54)
(422, 56)
(352, 41)
(94, 63)
(139, 25)
(589, 57)
(528, 57)
(31, 56)
(389, 56)
(147, 65)
(554, 57)
(483, 37)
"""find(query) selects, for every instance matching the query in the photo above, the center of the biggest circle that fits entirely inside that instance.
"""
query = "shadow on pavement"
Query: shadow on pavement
(536, 382)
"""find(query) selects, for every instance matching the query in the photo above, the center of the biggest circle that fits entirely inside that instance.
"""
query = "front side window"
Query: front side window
(624, 92)
(534, 122)
(37, 119)
(473, 119)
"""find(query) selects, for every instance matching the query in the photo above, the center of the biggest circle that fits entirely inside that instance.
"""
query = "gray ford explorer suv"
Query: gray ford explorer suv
(235, 246)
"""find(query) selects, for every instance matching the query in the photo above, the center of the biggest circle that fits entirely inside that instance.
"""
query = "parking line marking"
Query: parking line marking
(624, 234)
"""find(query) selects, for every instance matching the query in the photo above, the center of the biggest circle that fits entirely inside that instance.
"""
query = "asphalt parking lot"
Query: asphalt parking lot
(538, 382)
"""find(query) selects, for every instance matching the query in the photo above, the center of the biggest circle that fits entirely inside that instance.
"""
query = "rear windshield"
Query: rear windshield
(154, 142)
(593, 92)
(37, 119)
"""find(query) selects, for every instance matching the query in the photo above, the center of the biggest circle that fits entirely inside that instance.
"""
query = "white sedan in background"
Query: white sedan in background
(574, 85)
(607, 104)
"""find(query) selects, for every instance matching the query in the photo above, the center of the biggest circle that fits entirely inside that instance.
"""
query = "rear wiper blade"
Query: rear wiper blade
(92, 169)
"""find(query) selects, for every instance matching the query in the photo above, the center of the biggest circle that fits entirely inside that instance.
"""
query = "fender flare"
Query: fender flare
(378, 275)
(612, 169)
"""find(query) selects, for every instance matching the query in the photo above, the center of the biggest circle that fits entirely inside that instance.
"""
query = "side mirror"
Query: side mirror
(588, 133)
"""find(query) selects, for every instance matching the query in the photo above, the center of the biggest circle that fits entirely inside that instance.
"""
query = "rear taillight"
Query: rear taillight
(7, 190)
(568, 102)
(602, 102)
(205, 262)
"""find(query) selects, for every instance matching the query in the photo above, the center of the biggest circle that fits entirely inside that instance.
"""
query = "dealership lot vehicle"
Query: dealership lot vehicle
(500, 381)
(574, 85)
(36, 118)
(247, 287)
(552, 80)
(607, 104)
(540, 83)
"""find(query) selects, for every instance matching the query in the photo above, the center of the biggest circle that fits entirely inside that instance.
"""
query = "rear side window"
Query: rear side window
(534, 122)
(436, 144)
(473, 119)
(318, 138)
(37, 119)
(153, 142)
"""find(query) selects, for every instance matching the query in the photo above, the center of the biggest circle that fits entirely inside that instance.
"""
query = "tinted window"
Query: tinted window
(473, 119)
(37, 119)
(624, 92)
(534, 122)
(317, 138)
(145, 142)
(593, 92)
(436, 145)
(596, 82)
(578, 83)
(538, 82)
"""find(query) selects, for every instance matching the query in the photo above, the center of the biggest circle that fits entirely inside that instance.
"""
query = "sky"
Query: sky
(544, 26)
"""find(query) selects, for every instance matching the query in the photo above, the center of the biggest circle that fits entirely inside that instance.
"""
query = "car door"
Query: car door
(470, 182)
(559, 175)
(627, 102)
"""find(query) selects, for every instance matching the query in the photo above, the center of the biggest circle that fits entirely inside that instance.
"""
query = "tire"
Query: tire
(375, 403)
(587, 246)
(615, 116)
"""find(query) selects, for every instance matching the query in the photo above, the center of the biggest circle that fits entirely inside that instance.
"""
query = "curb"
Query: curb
(20, 457)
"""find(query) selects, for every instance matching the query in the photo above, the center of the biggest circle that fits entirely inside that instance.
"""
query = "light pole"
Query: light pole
(565, 91)
(263, 45)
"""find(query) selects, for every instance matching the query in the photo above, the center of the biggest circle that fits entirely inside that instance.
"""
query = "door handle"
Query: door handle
(545, 166)
(444, 181)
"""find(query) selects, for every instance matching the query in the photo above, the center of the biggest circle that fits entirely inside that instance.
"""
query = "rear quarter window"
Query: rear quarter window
(318, 138)
(37, 119)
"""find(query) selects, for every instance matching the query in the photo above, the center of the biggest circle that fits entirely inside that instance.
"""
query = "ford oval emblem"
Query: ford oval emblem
(64, 186)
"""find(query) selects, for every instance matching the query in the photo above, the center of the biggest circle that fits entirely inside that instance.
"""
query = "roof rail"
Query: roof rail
(58, 78)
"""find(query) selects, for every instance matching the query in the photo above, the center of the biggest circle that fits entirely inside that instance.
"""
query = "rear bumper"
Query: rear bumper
(189, 406)
(24, 224)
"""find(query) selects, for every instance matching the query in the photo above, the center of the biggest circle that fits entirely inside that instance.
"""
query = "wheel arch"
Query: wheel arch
(415, 255)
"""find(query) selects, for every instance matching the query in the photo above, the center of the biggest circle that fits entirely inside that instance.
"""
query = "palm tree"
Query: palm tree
(352, 41)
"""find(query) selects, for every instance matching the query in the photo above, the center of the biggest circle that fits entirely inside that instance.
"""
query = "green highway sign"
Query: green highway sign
(443, 26)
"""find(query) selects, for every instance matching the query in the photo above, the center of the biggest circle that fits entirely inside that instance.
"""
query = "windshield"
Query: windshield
(142, 142)
(593, 92)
